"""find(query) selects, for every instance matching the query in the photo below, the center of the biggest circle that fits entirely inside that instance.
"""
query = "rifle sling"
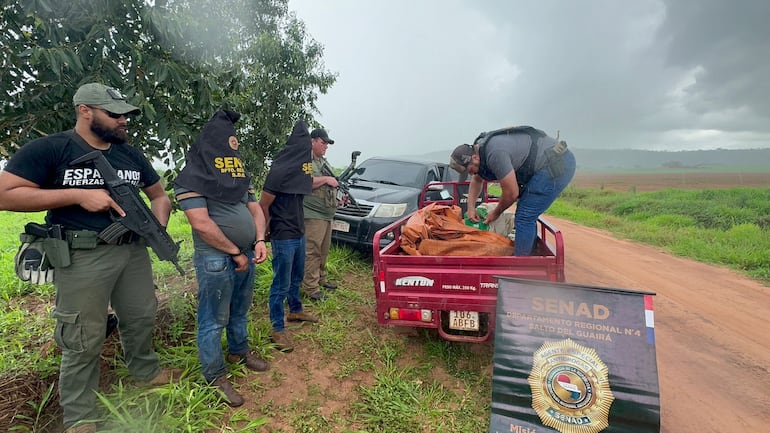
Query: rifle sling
(114, 231)
(80, 141)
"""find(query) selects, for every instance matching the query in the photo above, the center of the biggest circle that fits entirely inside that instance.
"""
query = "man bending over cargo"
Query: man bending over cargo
(531, 167)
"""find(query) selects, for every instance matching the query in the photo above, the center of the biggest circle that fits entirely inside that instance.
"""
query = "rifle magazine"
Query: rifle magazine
(113, 232)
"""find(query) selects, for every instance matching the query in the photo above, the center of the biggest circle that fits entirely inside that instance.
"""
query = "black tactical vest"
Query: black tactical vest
(527, 169)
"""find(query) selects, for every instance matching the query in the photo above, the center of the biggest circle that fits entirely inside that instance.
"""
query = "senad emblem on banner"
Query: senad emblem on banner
(573, 359)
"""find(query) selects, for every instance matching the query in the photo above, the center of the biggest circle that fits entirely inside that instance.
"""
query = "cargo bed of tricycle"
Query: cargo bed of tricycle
(456, 295)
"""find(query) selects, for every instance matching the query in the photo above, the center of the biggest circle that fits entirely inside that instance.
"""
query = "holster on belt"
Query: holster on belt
(553, 159)
(560, 147)
(53, 242)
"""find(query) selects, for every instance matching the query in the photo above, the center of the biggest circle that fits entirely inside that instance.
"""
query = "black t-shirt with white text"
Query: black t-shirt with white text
(46, 162)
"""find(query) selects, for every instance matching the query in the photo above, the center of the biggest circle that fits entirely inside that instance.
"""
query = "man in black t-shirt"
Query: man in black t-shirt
(39, 177)
(286, 184)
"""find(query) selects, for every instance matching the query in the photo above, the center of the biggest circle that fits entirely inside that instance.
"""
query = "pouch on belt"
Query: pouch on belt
(82, 239)
(554, 161)
(57, 251)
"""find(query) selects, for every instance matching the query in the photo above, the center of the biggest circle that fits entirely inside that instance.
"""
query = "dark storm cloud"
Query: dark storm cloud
(643, 74)
(647, 73)
(727, 45)
(587, 67)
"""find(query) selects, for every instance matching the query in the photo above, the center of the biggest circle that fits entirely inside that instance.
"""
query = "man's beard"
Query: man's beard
(115, 135)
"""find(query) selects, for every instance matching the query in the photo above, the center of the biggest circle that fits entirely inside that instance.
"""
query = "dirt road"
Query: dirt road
(712, 330)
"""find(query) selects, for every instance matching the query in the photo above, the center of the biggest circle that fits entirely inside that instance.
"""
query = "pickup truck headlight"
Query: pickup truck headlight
(390, 210)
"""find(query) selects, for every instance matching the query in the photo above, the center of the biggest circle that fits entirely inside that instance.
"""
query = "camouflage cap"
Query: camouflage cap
(461, 157)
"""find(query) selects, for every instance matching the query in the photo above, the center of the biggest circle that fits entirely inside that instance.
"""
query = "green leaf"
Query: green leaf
(255, 58)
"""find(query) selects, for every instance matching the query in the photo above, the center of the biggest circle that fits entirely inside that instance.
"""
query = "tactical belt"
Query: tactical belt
(126, 238)
(88, 239)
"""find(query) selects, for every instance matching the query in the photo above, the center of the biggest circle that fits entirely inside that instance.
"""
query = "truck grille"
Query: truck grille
(361, 211)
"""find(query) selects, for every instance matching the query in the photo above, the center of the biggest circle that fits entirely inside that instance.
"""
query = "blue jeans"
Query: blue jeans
(541, 191)
(224, 298)
(288, 272)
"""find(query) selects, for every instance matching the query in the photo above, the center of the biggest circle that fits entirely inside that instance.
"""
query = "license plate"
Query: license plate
(464, 320)
(340, 226)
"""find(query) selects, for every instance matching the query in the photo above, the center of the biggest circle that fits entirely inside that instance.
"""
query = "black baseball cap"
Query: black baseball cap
(321, 133)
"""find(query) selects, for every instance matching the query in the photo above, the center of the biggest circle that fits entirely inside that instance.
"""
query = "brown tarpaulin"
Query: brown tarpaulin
(439, 230)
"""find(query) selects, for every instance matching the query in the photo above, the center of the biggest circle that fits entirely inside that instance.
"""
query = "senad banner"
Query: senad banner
(573, 359)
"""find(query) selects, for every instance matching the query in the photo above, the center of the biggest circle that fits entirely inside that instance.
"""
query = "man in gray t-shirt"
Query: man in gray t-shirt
(532, 169)
(228, 229)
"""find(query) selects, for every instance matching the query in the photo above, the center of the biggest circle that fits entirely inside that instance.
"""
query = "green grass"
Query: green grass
(404, 383)
(759, 168)
(11, 225)
(191, 406)
(728, 227)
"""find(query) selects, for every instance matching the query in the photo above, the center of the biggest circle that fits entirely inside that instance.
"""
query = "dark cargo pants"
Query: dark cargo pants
(116, 274)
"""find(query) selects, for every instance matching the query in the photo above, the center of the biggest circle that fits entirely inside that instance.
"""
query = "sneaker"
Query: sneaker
(301, 317)
(88, 427)
(329, 285)
(232, 397)
(282, 341)
(317, 297)
(250, 360)
(166, 376)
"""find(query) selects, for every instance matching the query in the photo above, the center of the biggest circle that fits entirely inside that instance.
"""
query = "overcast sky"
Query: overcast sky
(420, 76)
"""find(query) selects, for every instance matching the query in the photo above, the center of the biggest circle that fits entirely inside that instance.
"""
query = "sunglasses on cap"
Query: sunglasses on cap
(108, 113)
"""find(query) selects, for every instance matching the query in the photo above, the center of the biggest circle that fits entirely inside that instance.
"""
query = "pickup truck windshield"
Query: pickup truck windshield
(391, 173)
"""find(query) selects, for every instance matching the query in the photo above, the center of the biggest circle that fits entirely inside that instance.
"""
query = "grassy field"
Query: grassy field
(736, 170)
(350, 374)
(729, 227)
(402, 380)
(662, 178)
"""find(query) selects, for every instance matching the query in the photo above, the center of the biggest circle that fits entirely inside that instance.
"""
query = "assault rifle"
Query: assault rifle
(139, 218)
(342, 180)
